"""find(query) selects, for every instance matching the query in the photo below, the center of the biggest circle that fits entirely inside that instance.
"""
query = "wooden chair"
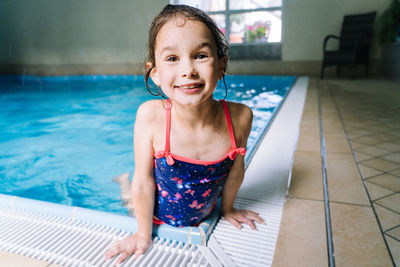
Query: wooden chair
(354, 43)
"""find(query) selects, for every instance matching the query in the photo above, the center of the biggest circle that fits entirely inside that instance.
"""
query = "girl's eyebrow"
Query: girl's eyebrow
(172, 48)
(167, 48)
(205, 44)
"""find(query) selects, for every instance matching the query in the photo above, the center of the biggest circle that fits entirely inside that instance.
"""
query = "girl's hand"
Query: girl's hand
(136, 244)
(237, 217)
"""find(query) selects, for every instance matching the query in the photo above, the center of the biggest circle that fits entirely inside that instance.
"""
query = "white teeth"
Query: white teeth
(189, 87)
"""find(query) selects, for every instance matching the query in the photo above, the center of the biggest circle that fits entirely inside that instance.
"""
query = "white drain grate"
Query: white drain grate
(70, 242)
(247, 247)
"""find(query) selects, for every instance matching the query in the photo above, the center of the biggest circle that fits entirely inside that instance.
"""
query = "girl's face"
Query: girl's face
(186, 62)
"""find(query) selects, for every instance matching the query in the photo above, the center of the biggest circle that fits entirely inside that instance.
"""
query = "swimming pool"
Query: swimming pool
(64, 138)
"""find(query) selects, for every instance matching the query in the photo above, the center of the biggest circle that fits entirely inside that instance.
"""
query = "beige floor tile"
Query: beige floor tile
(387, 181)
(8, 259)
(381, 164)
(389, 146)
(391, 202)
(372, 150)
(383, 136)
(396, 132)
(344, 180)
(394, 246)
(359, 132)
(396, 172)
(377, 128)
(376, 191)
(309, 123)
(310, 120)
(348, 126)
(356, 145)
(395, 232)
(357, 239)
(331, 121)
(361, 156)
(311, 112)
(368, 171)
(302, 237)
(341, 165)
(360, 124)
(388, 219)
(311, 105)
(395, 157)
(334, 129)
(366, 140)
(336, 142)
(352, 135)
(306, 179)
(309, 139)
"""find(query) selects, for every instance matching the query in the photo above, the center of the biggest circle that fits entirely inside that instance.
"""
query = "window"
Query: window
(244, 22)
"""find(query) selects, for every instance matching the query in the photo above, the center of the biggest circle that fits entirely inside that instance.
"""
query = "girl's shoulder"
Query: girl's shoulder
(242, 118)
(150, 114)
(151, 109)
(241, 114)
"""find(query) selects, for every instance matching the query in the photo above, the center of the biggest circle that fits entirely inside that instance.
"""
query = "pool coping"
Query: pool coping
(264, 189)
(192, 235)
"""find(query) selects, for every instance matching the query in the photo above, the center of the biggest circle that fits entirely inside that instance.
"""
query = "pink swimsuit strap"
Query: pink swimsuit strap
(168, 128)
(170, 157)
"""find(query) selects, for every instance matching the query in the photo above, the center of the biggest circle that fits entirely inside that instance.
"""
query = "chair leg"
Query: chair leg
(321, 76)
(338, 70)
(366, 70)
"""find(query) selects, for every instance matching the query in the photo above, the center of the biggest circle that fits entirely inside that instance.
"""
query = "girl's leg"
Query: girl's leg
(126, 195)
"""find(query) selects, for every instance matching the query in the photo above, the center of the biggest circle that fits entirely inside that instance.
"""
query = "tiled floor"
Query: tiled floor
(361, 129)
(8, 259)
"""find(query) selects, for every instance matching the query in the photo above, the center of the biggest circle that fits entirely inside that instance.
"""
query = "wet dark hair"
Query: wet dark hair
(186, 12)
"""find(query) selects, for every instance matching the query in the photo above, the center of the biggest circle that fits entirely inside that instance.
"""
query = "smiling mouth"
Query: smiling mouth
(191, 88)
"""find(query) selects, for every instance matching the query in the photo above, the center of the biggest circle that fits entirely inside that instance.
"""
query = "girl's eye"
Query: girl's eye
(201, 56)
(172, 58)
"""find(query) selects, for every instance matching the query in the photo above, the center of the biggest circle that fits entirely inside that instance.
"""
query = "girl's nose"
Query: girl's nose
(189, 70)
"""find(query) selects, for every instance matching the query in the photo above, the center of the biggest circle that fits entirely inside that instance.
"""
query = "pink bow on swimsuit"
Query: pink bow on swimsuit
(233, 153)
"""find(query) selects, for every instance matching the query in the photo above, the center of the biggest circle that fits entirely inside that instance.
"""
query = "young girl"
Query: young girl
(188, 148)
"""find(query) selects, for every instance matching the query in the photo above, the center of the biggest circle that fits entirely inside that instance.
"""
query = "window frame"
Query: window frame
(228, 12)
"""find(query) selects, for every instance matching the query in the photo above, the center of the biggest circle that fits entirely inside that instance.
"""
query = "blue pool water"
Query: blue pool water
(63, 139)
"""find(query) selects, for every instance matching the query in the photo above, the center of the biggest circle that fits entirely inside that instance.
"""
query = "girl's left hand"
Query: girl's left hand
(136, 244)
(237, 217)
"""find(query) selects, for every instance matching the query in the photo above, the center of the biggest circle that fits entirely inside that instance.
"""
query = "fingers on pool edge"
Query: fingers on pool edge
(235, 223)
(110, 253)
(122, 258)
(254, 216)
(138, 253)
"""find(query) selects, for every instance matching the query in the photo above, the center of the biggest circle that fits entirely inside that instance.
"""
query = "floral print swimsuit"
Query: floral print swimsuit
(187, 189)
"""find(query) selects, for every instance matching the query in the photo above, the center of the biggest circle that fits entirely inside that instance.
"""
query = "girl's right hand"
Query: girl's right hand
(136, 244)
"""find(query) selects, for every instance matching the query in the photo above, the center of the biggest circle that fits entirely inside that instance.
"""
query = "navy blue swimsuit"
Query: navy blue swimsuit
(187, 189)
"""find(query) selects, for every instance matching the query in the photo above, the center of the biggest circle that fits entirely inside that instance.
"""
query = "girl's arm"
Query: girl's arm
(242, 127)
(143, 183)
(143, 188)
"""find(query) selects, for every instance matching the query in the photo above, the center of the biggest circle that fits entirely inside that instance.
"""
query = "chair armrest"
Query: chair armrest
(327, 38)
